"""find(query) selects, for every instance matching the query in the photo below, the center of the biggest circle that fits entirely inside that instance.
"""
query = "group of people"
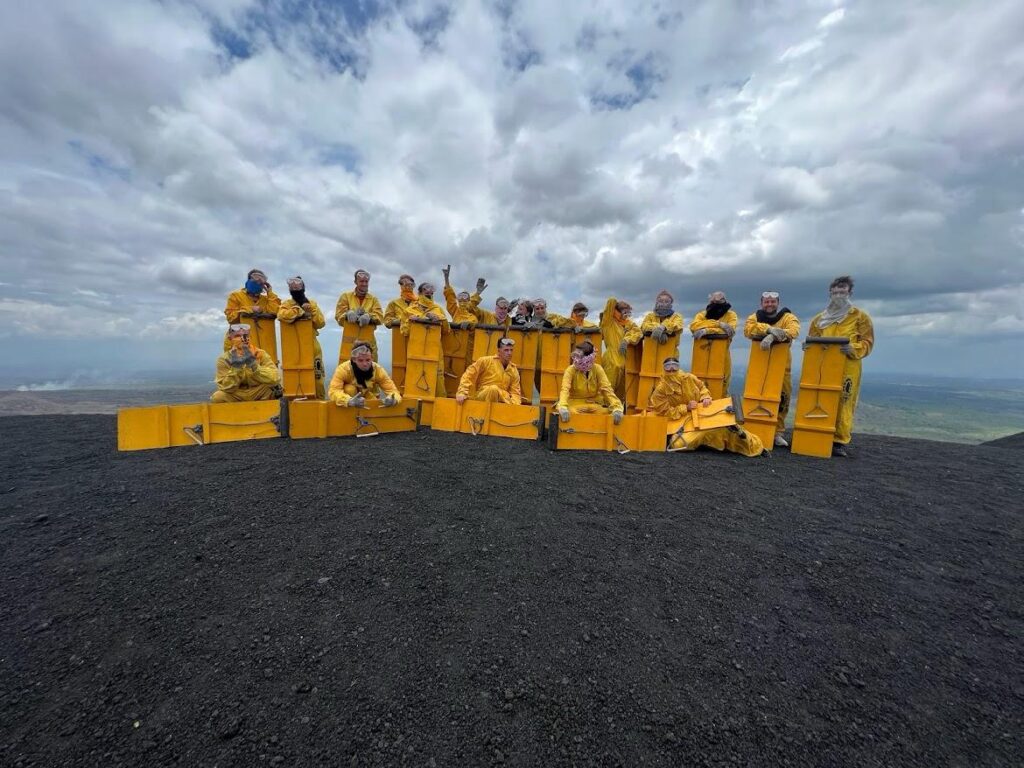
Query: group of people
(594, 381)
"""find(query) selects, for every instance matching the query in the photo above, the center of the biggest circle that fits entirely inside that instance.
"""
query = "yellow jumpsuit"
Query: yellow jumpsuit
(857, 327)
(492, 381)
(242, 383)
(593, 393)
(420, 308)
(671, 395)
(791, 325)
(461, 313)
(396, 311)
(240, 301)
(289, 313)
(560, 321)
(701, 322)
(349, 300)
(614, 332)
(345, 386)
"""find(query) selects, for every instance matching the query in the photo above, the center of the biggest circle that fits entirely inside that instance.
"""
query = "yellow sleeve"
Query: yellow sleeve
(563, 395)
(634, 334)
(341, 308)
(605, 388)
(661, 404)
(233, 309)
(289, 312)
(650, 322)
(701, 322)
(317, 315)
(228, 377)
(266, 368)
(753, 328)
(375, 311)
(608, 315)
(336, 392)
(451, 301)
(393, 313)
(273, 303)
(384, 382)
(791, 325)
(469, 377)
(674, 323)
(704, 392)
(863, 338)
(560, 321)
(815, 330)
(515, 388)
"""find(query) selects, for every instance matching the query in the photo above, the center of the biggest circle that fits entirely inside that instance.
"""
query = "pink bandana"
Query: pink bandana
(582, 362)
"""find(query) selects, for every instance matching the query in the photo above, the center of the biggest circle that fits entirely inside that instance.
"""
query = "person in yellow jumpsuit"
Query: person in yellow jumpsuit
(245, 373)
(502, 307)
(426, 310)
(360, 378)
(662, 321)
(585, 387)
(255, 298)
(772, 325)
(360, 306)
(677, 393)
(576, 320)
(460, 305)
(396, 307)
(299, 307)
(717, 317)
(616, 323)
(494, 378)
(841, 319)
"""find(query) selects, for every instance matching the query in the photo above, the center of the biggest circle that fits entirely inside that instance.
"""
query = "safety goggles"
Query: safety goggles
(770, 295)
(236, 328)
(671, 364)
(506, 343)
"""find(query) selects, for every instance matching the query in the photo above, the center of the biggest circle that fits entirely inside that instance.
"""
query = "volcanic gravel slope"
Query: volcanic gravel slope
(432, 599)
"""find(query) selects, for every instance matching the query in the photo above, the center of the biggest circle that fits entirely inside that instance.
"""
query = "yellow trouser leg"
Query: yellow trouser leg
(787, 392)
(848, 402)
(728, 374)
(318, 370)
(582, 406)
(492, 394)
(247, 394)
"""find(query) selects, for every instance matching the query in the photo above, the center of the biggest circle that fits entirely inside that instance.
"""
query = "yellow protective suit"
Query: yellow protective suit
(593, 393)
(858, 328)
(671, 396)
(345, 386)
(461, 313)
(614, 331)
(289, 313)
(492, 381)
(242, 384)
(572, 321)
(701, 323)
(420, 308)
(790, 323)
(349, 300)
(395, 310)
(485, 316)
(240, 301)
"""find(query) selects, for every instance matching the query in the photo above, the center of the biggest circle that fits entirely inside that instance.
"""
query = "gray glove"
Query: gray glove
(237, 361)
(480, 285)
(727, 329)
(578, 329)
(360, 311)
(804, 346)
(700, 333)
(660, 334)
(622, 346)
(778, 333)
(847, 350)
(364, 319)
(388, 400)
(351, 316)
(563, 414)
(616, 417)
(767, 341)
(464, 325)
(356, 402)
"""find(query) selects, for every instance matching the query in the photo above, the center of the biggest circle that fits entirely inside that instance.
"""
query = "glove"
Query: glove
(727, 329)
(351, 316)
(464, 325)
(364, 319)
(847, 350)
(767, 341)
(388, 400)
(700, 333)
(778, 333)
(236, 361)
(660, 333)
(446, 272)
(563, 414)
(356, 402)
(360, 311)
(803, 346)
(390, 323)
(616, 417)
(480, 285)
(622, 346)
(514, 303)
(578, 329)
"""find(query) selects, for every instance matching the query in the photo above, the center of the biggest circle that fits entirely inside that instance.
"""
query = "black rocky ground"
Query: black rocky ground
(428, 599)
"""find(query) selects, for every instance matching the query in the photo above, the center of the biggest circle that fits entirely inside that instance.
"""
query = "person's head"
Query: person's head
(663, 304)
(524, 309)
(579, 311)
(362, 281)
(362, 356)
(501, 308)
(406, 283)
(583, 356)
(238, 334)
(842, 286)
(717, 297)
(296, 284)
(770, 302)
(505, 349)
(426, 290)
(671, 365)
(258, 275)
(540, 308)
(623, 310)
(462, 297)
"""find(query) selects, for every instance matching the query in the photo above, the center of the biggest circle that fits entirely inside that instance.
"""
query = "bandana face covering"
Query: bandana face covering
(583, 363)
(716, 310)
(408, 295)
(299, 297)
(253, 287)
(663, 304)
(835, 311)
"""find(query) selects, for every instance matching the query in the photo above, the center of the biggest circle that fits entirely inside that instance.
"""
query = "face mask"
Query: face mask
(583, 363)
(299, 297)
(253, 287)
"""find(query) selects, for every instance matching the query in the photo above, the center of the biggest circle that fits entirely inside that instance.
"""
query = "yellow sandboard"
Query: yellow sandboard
(298, 356)
(319, 418)
(598, 432)
(652, 359)
(262, 332)
(762, 389)
(398, 345)
(555, 351)
(165, 426)
(708, 362)
(350, 334)
(478, 417)
(457, 346)
(423, 363)
(817, 405)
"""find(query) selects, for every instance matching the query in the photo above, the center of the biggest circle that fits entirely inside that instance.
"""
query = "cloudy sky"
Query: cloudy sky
(152, 152)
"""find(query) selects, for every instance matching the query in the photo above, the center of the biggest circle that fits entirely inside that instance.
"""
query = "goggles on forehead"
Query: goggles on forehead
(770, 295)
(506, 342)
(361, 349)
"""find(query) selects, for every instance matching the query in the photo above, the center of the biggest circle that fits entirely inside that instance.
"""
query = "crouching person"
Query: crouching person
(494, 378)
(360, 378)
(676, 394)
(245, 373)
